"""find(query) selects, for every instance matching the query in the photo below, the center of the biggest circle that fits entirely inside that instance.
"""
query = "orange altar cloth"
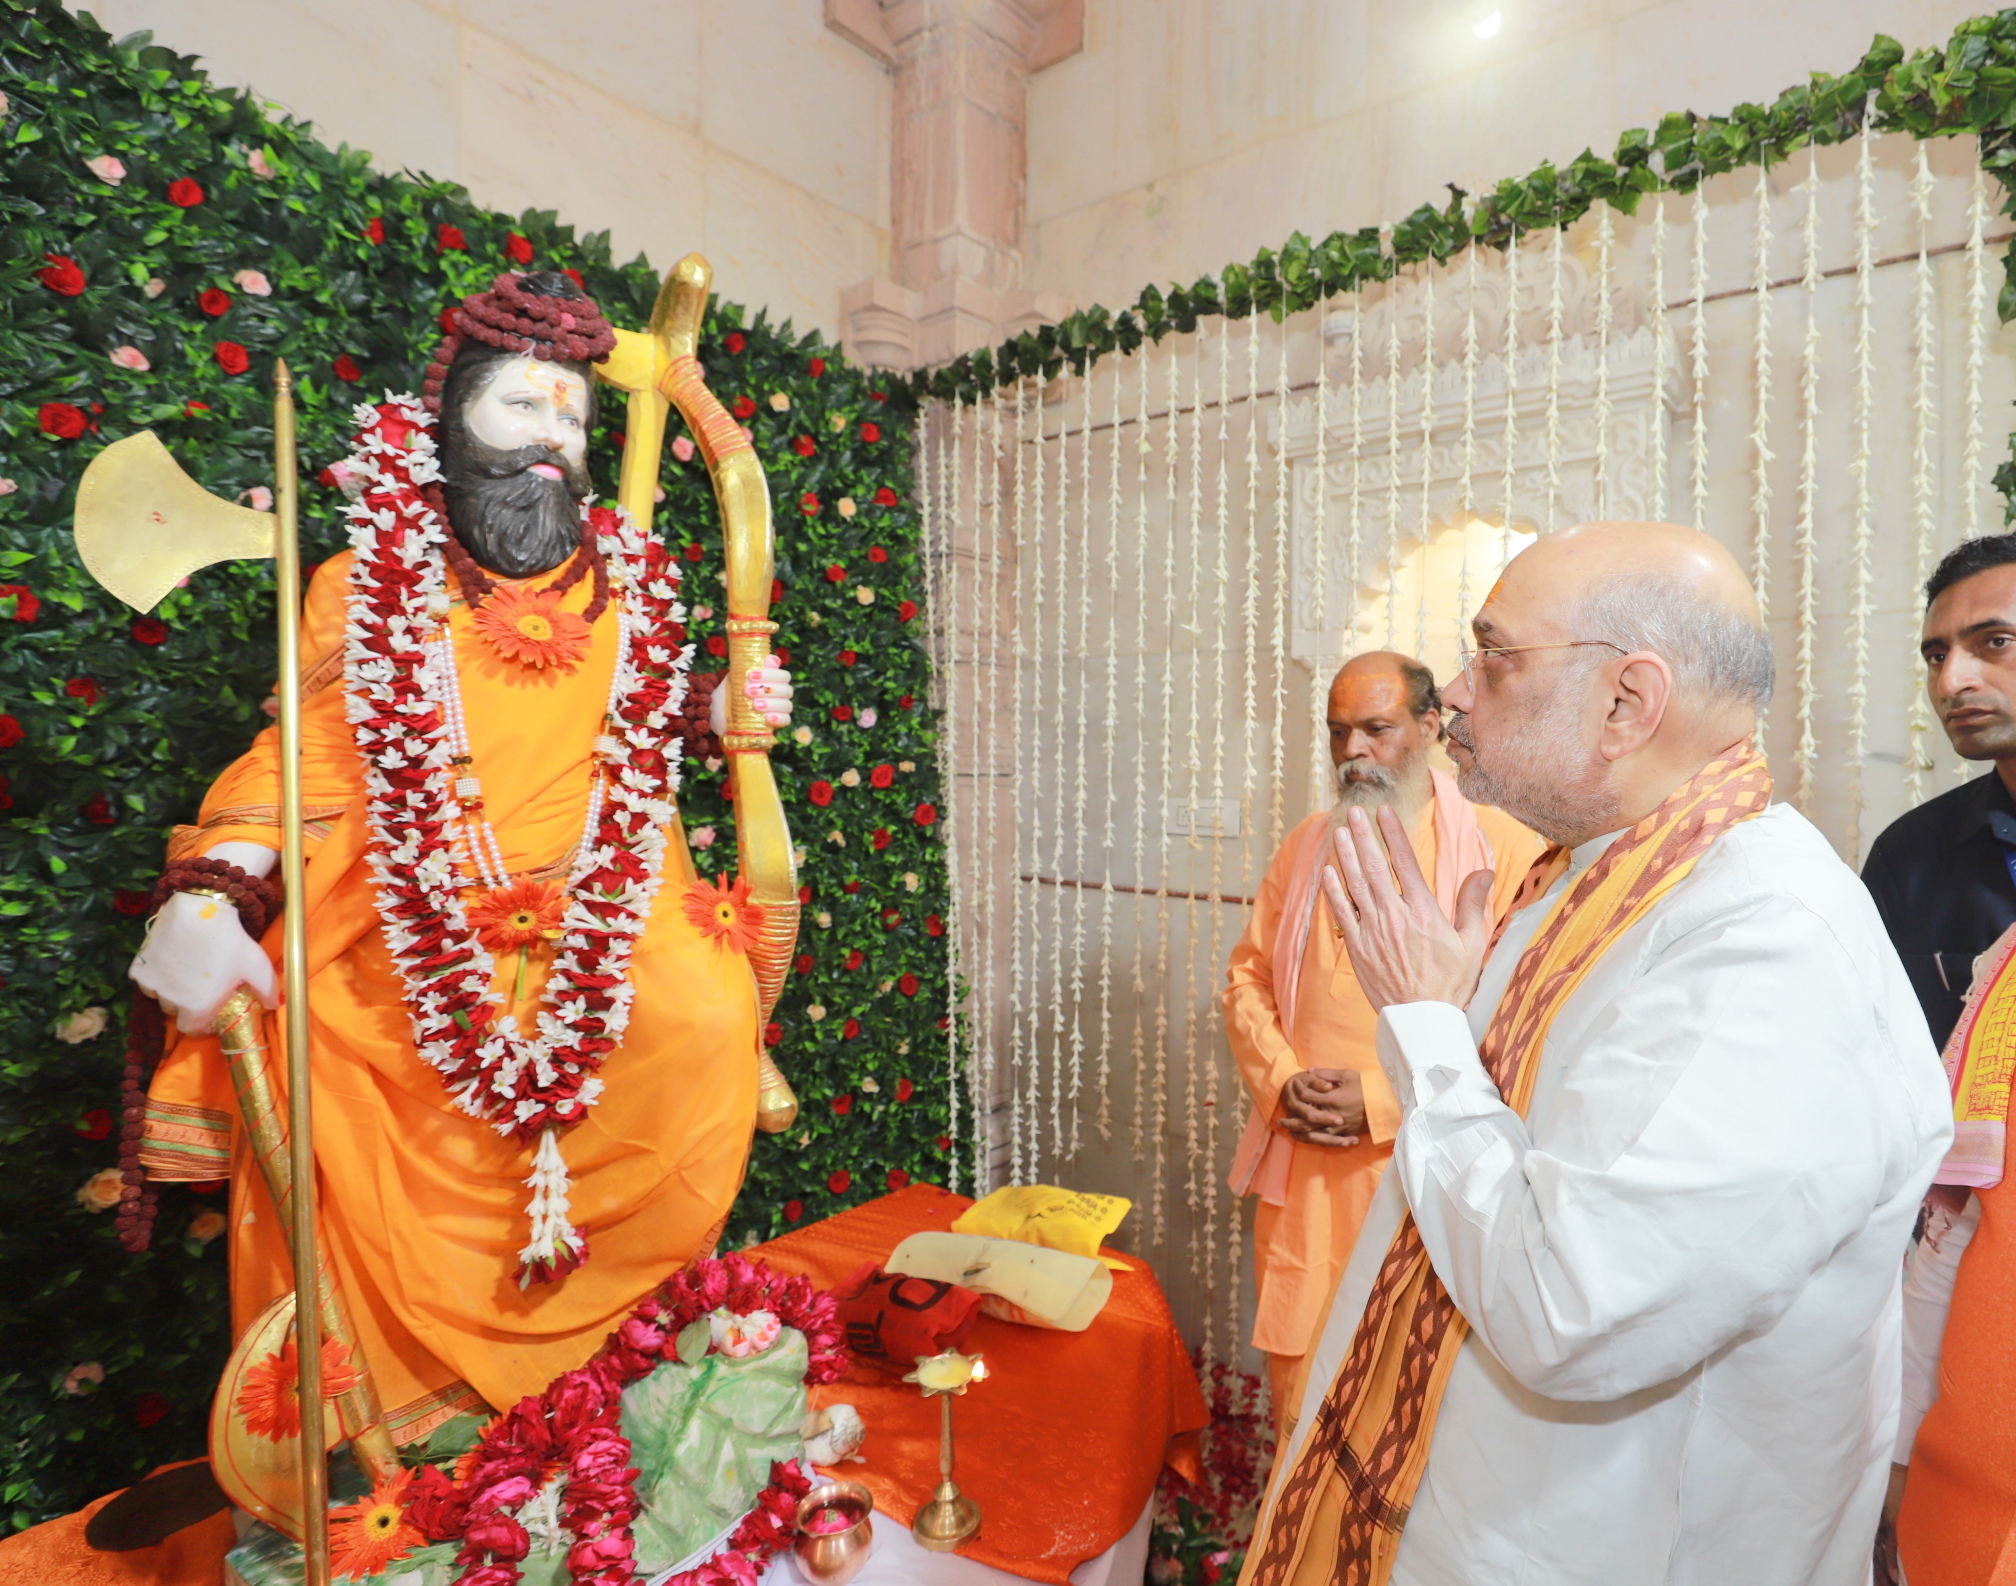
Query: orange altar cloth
(1062, 1443)
(1060, 1446)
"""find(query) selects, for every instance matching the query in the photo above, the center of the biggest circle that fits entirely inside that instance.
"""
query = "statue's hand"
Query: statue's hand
(196, 955)
(769, 690)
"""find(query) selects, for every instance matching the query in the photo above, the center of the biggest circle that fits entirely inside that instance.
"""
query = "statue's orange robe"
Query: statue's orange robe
(1300, 1247)
(423, 1206)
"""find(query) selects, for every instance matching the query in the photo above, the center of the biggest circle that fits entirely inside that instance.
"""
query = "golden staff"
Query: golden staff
(658, 368)
(142, 524)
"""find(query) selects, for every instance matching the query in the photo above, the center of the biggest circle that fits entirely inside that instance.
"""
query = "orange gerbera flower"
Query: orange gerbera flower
(369, 1534)
(525, 914)
(725, 913)
(531, 629)
(270, 1397)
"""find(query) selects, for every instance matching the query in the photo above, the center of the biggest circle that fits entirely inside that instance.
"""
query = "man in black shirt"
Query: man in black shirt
(1941, 874)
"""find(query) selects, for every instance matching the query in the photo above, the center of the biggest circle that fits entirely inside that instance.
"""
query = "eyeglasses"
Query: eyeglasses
(1465, 656)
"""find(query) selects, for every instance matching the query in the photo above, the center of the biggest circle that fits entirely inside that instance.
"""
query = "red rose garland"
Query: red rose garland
(532, 1087)
(575, 1427)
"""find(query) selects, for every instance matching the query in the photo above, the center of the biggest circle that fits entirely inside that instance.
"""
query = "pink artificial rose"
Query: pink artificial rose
(598, 1553)
(258, 498)
(254, 283)
(130, 358)
(868, 717)
(682, 448)
(510, 1492)
(262, 168)
(107, 169)
(701, 837)
(498, 1535)
(8, 487)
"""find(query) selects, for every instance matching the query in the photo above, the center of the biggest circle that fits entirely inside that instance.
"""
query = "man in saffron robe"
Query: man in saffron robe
(1940, 875)
(1321, 1127)
(424, 1206)
(1625, 1310)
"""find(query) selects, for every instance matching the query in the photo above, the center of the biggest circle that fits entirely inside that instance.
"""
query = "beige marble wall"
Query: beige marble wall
(742, 128)
(1188, 133)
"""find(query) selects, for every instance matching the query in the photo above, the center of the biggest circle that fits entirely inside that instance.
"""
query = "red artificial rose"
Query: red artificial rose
(926, 814)
(6, 803)
(83, 688)
(185, 192)
(879, 396)
(891, 918)
(620, 439)
(839, 1181)
(843, 712)
(150, 630)
(877, 554)
(776, 590)
(130, 902)
(907, 701)
(61, 420)
(574, 275)
(809, 504)
(743, 407)
(231, 357)
(944, 1140)
(882, 776)
(906, 610)
(716, 645)
(820, 793)
(151, 1407)
(772, 1034)
(97, 811)
(345, 368)
(449, 239)
(191, 409)
(213, 302)
(818, 367)
(850, 1029)
(898, 1179)
(793, 1210)
(944, 1021)
(851, 887)
(933, 926)
(446, 319)
(885, 497)
(498, 1535)
(835, 573)
(856, 958)
(94, 1125)
(871, 433)
(63, 276)
(881, 838)
(695, 551)
(805, 894)
(908, 985)
(734, 341)
(804, 445)
(848, 657)
(843, 1105)
(804, 964)
(520, 248)
(374, 231)
(783, 656)
(26, 601)
(905, 1090)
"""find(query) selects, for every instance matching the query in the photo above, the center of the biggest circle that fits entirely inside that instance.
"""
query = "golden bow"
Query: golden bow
(658, 369)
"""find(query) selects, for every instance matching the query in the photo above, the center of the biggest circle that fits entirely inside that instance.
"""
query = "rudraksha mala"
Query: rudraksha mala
(258, 903)
(511, 319)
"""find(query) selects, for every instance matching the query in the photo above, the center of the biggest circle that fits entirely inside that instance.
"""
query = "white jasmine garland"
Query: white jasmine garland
(399, 699)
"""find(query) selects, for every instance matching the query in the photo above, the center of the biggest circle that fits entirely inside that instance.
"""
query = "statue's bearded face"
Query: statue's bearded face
(514, 464)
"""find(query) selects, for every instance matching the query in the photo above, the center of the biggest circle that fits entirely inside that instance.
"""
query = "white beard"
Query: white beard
(1406, 788)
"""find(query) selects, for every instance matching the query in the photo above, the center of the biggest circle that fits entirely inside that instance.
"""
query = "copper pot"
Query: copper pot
(832, 1558)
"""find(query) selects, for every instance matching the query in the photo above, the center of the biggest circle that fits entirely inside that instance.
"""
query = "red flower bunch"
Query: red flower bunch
(576, 1426)
(850, 1029)
(809, 504)
(933, 926)
(26, 602)
(908, 985)
(835, 573)
(820, 793)
(152, 1407)
(98, 810)
(898, 1179)
(374, 232)
(94, 1125)
(185, 192)
(871, 433)
(904, 612)
(519, 248)
(881, 838)
(83, 688)
(716, 645)
(891, 918)
(793, 1210)
(855, 959)
(231, 357)
(150, 630)
(877, 554)
(817, 367)
(735, 341)
(885, 497)
(11, 731)
(804, 445)
(906, 701)
(743, 407)
(61, 420)
(345, 368)
(803, 964)
(850, 888)
(926, 814)
(848, 658)
(214, 302)
(449, 239)
(905, 1090)
(129, 903)
(840, 1181)
(882, 776)
(63, 276)
(843, 1105)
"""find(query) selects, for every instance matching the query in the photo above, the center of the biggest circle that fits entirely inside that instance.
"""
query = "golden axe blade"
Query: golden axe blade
(658, 369)
(142, 525)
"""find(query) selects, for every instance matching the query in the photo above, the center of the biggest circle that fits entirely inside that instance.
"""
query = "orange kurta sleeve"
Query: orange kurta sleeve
(1252, 1018)
(243, 805)
(1513, 850)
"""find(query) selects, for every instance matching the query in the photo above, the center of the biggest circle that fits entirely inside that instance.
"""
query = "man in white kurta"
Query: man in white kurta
(1679, 1268)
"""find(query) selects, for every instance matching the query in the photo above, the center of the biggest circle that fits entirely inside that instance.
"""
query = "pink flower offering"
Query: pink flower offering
(830, 1521)
(739, 1337)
